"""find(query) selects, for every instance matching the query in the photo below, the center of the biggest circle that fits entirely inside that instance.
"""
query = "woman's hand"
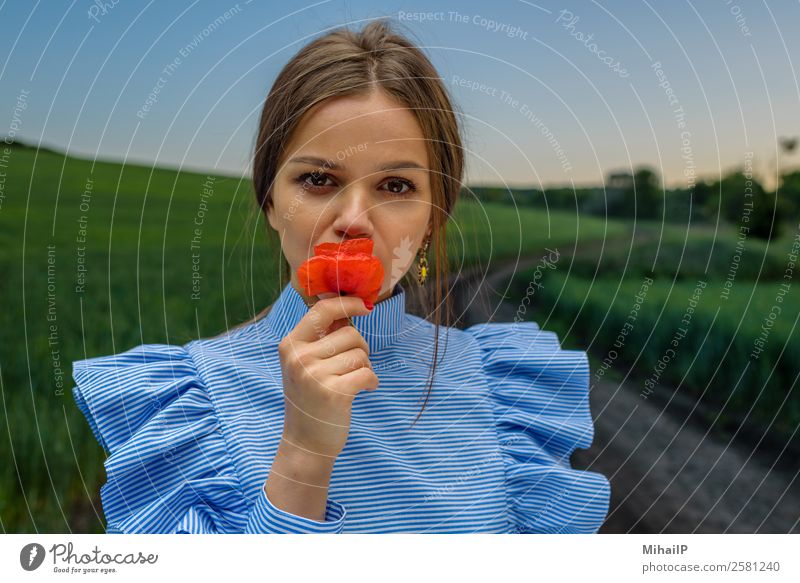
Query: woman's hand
(325, 364)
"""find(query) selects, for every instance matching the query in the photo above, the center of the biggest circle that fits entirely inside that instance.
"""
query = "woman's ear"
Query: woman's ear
(270, 212)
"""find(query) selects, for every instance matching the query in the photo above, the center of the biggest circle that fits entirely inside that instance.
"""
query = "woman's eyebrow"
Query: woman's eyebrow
(330, 164)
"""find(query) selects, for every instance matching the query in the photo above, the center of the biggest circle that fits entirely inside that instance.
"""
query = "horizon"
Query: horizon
(54, 149)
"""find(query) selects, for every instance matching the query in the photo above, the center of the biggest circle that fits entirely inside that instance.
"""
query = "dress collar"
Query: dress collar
(379, 328)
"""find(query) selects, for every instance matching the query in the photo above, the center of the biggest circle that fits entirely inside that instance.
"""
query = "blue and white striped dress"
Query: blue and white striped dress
(191, 431)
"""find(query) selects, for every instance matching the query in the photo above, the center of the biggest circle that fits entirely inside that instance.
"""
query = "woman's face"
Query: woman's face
(356, 166)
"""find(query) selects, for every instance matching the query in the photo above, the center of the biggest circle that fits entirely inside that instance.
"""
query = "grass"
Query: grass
(687, 254)
(718, 360)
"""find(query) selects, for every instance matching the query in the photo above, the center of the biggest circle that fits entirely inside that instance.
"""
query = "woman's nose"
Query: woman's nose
(353, 212)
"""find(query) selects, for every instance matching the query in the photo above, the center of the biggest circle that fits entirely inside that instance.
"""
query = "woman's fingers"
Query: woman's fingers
(343, 362)
(355, 381)
(317, 322)
(328, 372)
(338, 341)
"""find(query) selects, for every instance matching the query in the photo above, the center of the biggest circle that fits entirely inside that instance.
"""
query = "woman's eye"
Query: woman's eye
(313, 180)
(395, 186)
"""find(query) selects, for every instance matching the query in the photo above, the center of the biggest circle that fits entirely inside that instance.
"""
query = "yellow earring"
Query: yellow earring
(422, 265)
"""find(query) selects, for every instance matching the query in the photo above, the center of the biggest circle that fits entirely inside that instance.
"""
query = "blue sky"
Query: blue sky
(551, 111)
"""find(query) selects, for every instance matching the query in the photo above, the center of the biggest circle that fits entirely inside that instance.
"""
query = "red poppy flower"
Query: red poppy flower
(346, 268)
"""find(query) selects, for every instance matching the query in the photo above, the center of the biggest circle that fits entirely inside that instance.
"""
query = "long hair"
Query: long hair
(345, 62)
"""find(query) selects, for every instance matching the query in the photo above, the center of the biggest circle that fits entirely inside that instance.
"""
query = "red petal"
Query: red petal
(347, 268)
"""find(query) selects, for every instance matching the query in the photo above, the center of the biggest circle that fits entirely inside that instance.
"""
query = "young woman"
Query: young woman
(297, 422)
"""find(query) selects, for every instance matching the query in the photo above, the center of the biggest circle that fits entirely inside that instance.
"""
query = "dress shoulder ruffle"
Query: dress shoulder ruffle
(539, 394)
(168, 469)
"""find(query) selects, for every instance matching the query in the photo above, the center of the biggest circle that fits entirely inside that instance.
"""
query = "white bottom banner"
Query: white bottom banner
(347, 557)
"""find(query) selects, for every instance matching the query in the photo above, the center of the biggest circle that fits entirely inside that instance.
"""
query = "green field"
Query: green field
(98, 258)
(726, 337)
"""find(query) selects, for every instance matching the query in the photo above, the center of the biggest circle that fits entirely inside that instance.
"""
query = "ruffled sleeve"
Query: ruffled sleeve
(168, 469)
(540, 397)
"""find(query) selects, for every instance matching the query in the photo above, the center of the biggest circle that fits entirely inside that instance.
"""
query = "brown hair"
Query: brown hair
(345, 62)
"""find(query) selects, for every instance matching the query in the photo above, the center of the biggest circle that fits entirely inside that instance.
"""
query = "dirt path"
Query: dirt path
(668, 472)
